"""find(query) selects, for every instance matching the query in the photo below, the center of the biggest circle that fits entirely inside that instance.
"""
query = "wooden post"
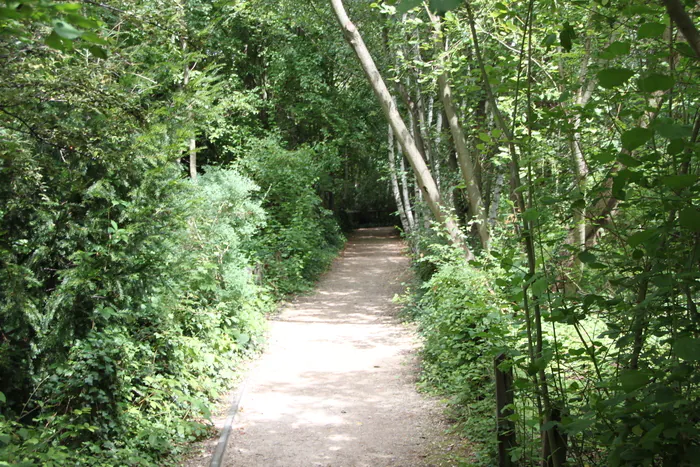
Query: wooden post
(505, 428)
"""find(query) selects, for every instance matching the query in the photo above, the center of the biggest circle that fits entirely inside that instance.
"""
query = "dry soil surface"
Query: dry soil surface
(336, 387)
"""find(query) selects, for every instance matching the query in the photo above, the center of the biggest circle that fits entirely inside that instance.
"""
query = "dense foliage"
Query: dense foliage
(580, 122)
(129, 295)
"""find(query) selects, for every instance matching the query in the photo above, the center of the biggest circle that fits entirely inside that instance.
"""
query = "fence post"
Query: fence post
(505, 428)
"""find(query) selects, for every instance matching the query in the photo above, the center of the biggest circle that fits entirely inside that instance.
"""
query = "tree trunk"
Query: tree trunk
(464, 157)
(405, 192)
(192, 143)
(423, 176)
(554, 448)
(395, 183)
(677, 12)
(436, 144)
(496, 198)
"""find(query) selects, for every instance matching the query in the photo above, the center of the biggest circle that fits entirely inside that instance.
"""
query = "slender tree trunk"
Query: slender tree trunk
(395, 183)
(423, 176)
(553, 444)
(192, 142)
(193, 158)
(464, 157)
(436, 144)
(496, 198)
(581, 173)
(677, 12)
(346, 182)
(405, 193)
(577, 236)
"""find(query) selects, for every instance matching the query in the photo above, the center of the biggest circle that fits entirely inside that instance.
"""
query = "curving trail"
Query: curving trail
(336, 386)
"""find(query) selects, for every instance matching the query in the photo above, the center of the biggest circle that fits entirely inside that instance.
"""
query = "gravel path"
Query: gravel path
(336, 386)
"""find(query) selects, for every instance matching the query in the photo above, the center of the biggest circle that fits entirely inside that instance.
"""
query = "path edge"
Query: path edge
(218, 457)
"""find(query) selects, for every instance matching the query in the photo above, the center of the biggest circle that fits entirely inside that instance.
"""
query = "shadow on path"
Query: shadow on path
(337, 384)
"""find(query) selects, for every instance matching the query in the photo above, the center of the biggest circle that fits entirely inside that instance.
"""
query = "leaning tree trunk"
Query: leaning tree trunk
(422, 173)
(685, 24)
(464, 156)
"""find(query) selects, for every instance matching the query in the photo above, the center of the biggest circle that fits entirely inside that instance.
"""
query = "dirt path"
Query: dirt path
(337, 384)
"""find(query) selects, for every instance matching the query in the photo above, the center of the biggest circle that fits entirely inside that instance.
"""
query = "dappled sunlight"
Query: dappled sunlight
(336, 385)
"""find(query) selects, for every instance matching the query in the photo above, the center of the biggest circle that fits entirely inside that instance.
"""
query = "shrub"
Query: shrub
(461, 319)
(301, 237)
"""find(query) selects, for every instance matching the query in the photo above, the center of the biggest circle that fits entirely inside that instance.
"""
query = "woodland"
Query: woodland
(171, 169)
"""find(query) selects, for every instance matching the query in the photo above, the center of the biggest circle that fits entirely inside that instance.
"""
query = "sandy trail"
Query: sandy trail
(336, 386)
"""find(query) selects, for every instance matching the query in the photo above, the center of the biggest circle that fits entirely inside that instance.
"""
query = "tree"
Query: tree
(423, 175)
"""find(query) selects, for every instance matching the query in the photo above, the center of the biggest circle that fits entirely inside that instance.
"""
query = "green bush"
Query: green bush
(301, 237)
(150, 306)
(463, 324)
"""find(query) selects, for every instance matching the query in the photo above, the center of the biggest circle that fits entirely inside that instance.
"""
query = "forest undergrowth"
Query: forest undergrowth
(171, 168)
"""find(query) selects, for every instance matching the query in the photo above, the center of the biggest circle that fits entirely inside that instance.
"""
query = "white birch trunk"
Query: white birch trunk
(192, 142)
(395, 183)
(408, 207)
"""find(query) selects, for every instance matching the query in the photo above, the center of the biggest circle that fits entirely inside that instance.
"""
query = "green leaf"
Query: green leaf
(628, 160)
(652, 435)
(10, 13)
(65, 30)
(82, 21)
(613, 77)
(650, 30)
(631, 380)
(684, 49)
(616, 49)
(678, 182)
(578, 425)
(689, 218)
(90, 36)
(407, 5)
(673, 130)
(549, 425)
(67, 7)
(687, 348)
(531, 214)
(243, 339)
(640, 237)
(655, 82)
(485, 137)
(604, 156)
(3, 399)
(675, 147)
(591, 299)
(549, 40)
(567, 36)
(636, 137)
(539, 286)
(619, 183)
(586, 257)
(98, 52)
(54, 41)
